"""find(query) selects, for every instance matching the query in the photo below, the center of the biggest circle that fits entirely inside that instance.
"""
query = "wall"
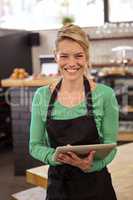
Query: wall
(46, 47)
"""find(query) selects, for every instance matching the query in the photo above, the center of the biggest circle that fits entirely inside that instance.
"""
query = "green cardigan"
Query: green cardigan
(105, 108)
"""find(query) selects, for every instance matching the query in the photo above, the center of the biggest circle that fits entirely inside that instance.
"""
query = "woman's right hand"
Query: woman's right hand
(72, 159)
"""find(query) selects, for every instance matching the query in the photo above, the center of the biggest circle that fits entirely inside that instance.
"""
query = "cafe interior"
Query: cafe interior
(28, 30)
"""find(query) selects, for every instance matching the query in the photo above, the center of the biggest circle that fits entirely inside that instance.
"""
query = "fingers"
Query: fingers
(73, 155)
(69, 158)
(72, 159)
(87, 162)
(64, 158)
(90, 157)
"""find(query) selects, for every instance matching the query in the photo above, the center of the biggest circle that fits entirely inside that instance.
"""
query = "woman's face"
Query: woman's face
(71, 59)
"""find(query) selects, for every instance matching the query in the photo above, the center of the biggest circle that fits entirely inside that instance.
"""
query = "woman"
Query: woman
(74, 111)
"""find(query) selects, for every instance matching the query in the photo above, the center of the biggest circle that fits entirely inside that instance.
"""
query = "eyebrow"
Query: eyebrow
(74, 53)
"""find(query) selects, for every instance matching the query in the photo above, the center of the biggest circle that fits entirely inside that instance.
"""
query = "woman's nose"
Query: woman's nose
(72, 62)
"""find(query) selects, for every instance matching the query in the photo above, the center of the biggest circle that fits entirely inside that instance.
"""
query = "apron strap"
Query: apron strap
(52, 99)
(88, 96)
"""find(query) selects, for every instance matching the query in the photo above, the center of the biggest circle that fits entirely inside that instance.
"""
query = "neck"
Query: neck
(72, 86)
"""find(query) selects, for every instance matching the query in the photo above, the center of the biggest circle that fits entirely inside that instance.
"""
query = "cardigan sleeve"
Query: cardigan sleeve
(109, 127)
(38, 144)
(110, 123)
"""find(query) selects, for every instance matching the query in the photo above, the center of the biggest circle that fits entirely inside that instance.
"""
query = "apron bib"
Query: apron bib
(66, 182)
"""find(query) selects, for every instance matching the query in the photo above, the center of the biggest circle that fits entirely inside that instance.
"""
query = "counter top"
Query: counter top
(28, 82)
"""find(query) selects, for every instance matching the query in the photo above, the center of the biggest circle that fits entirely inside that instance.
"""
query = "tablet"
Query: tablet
(102, 150)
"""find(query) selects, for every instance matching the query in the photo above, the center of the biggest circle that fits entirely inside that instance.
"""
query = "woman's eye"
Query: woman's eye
(63, 56)
(79, 56)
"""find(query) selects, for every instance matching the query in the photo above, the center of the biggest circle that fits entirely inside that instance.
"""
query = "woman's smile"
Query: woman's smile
(72, 70)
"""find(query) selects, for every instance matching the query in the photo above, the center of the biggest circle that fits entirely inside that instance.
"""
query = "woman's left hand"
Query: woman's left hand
(72, 159)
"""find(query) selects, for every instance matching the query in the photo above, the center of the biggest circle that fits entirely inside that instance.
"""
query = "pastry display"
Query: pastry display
(113, 71)
(19, 73)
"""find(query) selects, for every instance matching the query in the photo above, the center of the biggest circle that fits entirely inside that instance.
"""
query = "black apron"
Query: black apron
(66, 182)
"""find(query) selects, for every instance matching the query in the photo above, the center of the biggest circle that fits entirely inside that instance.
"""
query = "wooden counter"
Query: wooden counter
(125, 137)
(38, 175)
(28, 82)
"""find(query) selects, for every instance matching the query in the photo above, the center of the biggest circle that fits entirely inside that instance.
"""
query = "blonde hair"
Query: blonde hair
(75, 33)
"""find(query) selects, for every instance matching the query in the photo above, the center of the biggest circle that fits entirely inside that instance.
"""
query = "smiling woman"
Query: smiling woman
(71, 59)
(75, 111)
(72, 51)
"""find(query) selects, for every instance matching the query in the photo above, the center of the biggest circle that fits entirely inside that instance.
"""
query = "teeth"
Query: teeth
(72, 70)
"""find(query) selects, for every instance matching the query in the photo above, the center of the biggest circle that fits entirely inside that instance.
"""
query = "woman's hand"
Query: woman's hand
(72, 159)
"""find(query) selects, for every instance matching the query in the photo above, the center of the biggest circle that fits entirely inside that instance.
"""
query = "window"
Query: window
(48, 14)
(88, 13)
(120, 10)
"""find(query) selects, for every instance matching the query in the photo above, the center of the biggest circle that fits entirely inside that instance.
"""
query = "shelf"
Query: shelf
(28, 82)
(116, 76)
(112, 38)
(95, 65)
